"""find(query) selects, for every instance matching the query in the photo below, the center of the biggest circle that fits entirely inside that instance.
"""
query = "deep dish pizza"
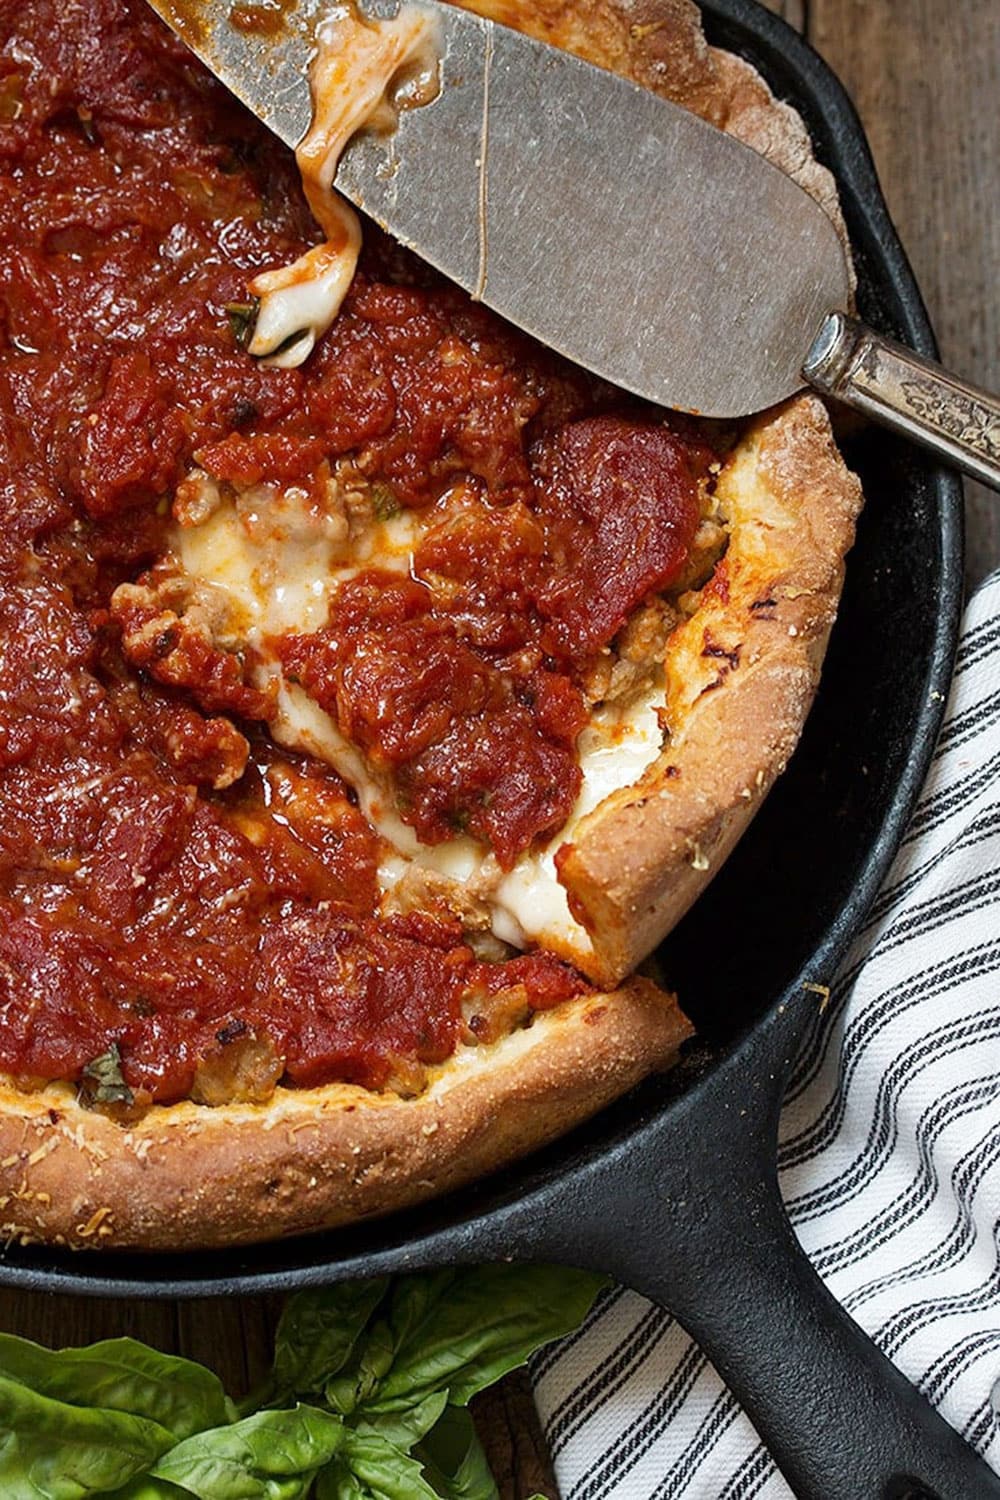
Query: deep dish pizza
(364, 718)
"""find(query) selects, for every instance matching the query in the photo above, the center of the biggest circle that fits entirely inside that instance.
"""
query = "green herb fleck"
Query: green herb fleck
(385, 502)
(102, 1081)
(242, 318)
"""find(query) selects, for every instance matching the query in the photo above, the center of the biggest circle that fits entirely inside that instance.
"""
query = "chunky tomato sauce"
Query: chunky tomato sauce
(168, 882)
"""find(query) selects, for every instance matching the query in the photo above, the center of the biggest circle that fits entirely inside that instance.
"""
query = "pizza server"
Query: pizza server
(620, 230)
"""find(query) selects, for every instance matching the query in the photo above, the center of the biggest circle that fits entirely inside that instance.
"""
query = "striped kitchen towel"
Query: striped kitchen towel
(890, 1161)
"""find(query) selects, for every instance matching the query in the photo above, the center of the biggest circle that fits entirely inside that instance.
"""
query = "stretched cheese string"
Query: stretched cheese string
(355, 64)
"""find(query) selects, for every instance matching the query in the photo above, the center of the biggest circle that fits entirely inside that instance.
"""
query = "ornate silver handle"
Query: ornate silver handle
(891, 384)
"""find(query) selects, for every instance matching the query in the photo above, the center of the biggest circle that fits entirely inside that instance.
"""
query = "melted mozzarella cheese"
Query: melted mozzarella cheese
(277, 560)
(354, 67)
(528, 904)
(618, 745)
(303, 725)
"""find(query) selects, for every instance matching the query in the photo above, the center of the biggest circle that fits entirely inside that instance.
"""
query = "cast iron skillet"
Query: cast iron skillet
(674, 1190)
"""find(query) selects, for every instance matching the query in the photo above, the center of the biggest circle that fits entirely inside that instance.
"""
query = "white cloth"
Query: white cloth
(889, 1160)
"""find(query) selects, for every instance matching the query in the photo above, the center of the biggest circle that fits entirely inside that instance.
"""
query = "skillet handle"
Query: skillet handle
(839, 1419)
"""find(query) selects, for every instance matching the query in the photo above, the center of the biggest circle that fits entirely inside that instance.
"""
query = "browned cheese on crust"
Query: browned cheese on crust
(186, 1176)
(741, 673)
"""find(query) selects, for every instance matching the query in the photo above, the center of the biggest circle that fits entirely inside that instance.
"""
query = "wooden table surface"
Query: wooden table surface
(925, 75)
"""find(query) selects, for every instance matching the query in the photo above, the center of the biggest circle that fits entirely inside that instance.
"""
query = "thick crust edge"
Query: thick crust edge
(187, 1177)
(742, 673)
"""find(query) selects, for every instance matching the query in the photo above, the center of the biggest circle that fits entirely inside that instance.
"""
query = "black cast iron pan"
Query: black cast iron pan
(674, 1190)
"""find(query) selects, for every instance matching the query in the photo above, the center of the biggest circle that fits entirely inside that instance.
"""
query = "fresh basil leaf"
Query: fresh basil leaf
(404, 1428)
(317, 1332)
(463, 1330)
(274, 1455)
(454, 1462)
(338, 1483)
(50, 1450)
(371, 1362)
(121, 1375)
(415, 1301)
(370, 1468)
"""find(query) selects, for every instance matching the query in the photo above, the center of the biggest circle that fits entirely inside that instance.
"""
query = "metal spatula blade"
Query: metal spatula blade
(615, 227)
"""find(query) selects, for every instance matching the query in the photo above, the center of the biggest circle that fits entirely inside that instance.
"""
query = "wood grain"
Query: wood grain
(233, 1337)
(793, 11)
(925, 75)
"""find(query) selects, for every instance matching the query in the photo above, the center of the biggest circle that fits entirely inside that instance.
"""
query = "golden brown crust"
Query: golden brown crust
(187, 1176)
